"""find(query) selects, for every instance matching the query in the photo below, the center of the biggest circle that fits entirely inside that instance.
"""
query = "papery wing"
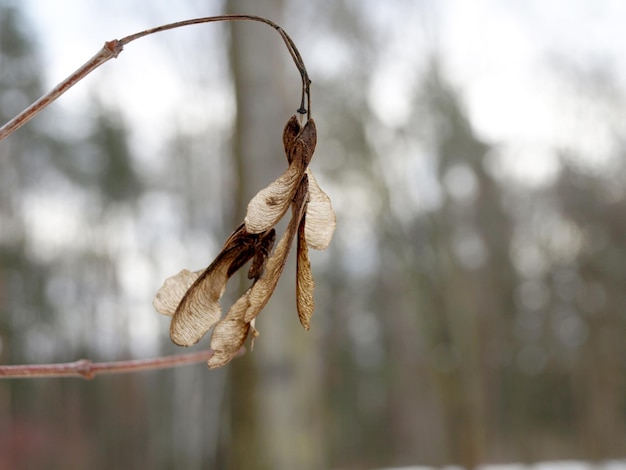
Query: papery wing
(269, 205)
(199, 309)
(230, 334)
(320, 216)
(304, 279)
(173, 290)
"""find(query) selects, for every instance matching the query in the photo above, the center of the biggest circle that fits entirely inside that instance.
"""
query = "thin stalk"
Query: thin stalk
(88, 370)
(112, 49)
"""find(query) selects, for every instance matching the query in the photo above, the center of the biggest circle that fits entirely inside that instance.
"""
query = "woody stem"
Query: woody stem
(88, 370)
(111, 49)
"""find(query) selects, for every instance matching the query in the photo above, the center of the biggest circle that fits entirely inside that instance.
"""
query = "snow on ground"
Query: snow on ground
(551, 465)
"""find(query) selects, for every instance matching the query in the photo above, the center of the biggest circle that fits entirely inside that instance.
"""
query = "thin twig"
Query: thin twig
(291, 47)
(108, 51)
(111, 49)
(88, 370)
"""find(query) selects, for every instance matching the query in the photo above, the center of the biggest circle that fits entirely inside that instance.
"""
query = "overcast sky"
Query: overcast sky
(500, 55)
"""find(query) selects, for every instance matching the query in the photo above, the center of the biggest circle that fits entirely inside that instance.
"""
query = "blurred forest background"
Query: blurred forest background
(471, 308)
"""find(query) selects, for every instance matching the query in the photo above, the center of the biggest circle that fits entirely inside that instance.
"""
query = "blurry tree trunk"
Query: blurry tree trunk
(472, 298)
(272, 390)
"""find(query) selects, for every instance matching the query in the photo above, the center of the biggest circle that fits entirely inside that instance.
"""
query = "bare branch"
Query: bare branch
(88, 370)
(108, 51)
(112, 49)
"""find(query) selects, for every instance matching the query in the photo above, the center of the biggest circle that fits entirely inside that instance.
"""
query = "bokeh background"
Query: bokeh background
(471, 308)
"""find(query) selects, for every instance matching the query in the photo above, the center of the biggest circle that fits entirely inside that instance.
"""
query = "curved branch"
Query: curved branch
(112, 49)
(88, 370)
(107, 52)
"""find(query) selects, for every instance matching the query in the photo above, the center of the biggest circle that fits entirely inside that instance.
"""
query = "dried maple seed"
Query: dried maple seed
(271, 203)
(193, 299)
(262, 251)
(230, 334)
(320, 216)
(291, 131)
(304, 279)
